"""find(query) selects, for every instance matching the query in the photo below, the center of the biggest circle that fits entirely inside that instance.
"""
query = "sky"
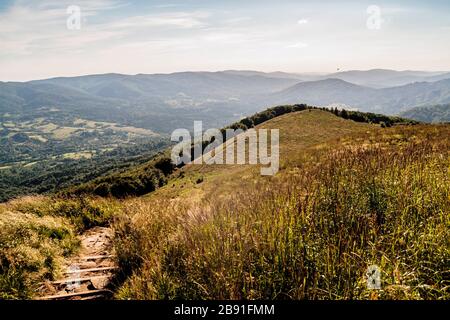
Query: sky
(43, 39)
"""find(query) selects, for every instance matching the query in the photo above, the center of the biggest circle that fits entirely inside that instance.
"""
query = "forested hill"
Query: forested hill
(431, 114)
(150, 176)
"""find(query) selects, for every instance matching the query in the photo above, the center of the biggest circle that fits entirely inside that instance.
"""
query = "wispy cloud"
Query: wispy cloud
(29, 24)
(175, 19)
(297, 45)
(28, 27)
(159, 36)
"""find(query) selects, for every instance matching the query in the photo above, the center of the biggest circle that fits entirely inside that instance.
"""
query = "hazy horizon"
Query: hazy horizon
(41, 39)
(312, 73)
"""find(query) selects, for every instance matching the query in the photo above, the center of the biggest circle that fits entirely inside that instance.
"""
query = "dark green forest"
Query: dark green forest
(51, 176)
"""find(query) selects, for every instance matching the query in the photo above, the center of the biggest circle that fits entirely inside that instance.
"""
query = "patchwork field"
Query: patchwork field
(35, 150)
(31, 136)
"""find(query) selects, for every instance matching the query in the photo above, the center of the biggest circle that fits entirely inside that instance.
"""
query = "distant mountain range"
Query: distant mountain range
(162, 102)
(386, 100)
(375, 78)
(383, 78)
(432, 114)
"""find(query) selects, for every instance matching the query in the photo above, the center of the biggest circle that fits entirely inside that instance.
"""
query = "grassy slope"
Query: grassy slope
(298, 131)
(348, 195)
(140, 180)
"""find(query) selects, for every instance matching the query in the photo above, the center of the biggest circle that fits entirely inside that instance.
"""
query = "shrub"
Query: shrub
(82, 212)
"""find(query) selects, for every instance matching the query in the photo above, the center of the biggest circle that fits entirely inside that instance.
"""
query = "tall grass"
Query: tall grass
(82, 212)
(310, 234)
(31, 250)
(37, 233)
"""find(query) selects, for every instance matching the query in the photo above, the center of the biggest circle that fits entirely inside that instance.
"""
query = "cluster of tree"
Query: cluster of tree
(368, 117)
(357, 116)
(134, 182)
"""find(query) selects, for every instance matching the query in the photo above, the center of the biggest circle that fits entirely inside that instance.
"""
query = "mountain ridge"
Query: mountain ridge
(385, 100)
(431, 114)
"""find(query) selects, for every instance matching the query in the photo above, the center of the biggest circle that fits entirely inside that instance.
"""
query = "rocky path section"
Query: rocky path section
(88, 275)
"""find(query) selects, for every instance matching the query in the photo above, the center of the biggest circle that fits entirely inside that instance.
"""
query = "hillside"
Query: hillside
(348, 195)
(150, 176)
(225, 232)
(63, 131)
(431, 114)
(298, 132)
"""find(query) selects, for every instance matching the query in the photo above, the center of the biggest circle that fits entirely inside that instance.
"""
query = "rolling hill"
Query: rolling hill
(387, 100)
(226, 232)
(163, 102)
(325, 92)
(374, 78)
(310, 232)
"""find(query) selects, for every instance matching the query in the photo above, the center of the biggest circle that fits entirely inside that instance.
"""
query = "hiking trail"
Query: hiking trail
(87, 275)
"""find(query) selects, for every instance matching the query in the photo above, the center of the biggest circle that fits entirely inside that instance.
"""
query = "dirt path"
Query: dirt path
(88, 274)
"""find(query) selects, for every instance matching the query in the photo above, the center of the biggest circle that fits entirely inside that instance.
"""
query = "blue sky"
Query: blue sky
(168, 36)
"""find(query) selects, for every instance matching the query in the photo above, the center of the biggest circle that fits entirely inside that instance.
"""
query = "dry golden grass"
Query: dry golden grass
(31, 249)
(348, 195)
